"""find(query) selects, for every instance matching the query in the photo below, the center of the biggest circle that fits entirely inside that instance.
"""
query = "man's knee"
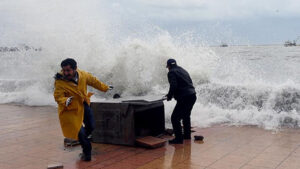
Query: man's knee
(175, 118)
(81, 134)
(186, 118)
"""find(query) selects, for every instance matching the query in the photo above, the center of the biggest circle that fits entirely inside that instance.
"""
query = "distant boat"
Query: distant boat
(290, 43)
(223, 45)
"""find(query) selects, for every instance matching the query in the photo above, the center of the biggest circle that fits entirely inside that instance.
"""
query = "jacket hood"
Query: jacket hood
(58, 76)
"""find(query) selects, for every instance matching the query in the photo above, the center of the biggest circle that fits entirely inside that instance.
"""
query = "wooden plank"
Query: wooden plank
(55, 166)
(150, 142)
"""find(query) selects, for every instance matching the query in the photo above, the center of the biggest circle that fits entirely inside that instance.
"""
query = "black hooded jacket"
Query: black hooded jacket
(181, 84)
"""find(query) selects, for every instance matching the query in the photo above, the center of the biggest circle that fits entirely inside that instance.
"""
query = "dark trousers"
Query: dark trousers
(89, 126)
(182, 112)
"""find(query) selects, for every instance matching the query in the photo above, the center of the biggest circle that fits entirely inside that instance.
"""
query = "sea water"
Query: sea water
(238, 85)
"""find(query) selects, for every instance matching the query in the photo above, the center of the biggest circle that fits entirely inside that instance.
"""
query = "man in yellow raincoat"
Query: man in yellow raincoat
(73, 103)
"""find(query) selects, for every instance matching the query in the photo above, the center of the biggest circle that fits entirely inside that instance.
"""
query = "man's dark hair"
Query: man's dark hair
(69, 61)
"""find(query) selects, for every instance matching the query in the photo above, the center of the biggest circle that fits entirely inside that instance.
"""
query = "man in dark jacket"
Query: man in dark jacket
(182, 89)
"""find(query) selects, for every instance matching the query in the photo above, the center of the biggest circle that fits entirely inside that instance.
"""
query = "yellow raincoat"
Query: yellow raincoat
(71, 117)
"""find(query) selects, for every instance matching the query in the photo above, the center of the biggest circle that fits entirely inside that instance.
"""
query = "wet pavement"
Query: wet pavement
(31, 138)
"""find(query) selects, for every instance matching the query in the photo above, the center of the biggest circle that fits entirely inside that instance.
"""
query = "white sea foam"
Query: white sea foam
(241, 85)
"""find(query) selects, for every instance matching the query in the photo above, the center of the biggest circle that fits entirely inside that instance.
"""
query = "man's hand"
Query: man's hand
(110, 87)
(69, 100)
(164, 97)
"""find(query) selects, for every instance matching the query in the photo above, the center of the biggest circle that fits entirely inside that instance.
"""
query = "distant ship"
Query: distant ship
(223, 45)
(290, 43)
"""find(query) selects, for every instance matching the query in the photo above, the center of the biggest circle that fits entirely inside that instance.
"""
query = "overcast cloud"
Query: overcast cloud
(243, 21)
(211, 9)
(253, 21)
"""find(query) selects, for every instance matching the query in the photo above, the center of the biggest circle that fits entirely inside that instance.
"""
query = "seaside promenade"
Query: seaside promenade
(31, 138)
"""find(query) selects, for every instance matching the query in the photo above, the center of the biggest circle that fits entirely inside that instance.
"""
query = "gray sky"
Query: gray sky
(231, 21)
(212, 21)
(196, 10)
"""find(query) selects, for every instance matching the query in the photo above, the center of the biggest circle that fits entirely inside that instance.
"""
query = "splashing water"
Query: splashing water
(241, 85)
